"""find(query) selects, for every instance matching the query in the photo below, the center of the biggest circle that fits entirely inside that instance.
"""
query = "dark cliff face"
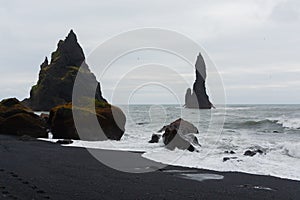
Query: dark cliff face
(197, 98)
(56, 79)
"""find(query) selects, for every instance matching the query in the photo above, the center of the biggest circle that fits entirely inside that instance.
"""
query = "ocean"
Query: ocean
(274, 129)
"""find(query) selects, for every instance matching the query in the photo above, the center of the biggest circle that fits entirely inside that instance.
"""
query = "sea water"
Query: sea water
(274, 129)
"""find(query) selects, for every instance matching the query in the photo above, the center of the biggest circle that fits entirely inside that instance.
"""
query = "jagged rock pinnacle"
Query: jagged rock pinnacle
(56, 80)
(197, 98)
(45, 63)
(71, 36)
(68, 52)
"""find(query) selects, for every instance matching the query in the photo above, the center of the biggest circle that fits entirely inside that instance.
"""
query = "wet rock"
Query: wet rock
(64, 141)
(249, 153)
(253, 152)
(195, 141)
(155, 138)
(225, 159)
(228, 158)
(180, 134)
(229, 152)
(259, 151)
(142, 123)
(181, 125)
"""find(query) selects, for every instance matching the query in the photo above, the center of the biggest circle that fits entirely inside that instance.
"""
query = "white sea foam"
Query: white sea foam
(293, 123)
(273, 163)
(237, 108)
(292, 149)
(290, 122)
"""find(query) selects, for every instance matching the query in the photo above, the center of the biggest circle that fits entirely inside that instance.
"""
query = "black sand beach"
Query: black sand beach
(41, 170)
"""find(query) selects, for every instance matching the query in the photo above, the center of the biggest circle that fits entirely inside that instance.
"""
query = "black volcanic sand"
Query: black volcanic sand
(42, 170)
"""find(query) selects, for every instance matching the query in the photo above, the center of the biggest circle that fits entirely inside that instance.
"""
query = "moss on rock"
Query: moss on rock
(17, 119)
(110, 118)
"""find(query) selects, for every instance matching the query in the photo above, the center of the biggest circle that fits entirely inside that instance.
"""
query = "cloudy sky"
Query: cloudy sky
(255, 44)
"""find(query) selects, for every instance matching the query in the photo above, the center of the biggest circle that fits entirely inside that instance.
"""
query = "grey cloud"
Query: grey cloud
(257, 38)
(286, 12)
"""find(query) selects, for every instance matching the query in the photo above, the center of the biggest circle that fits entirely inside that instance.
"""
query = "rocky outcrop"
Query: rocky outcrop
(56, 79)
(64, 141)
(229, 152)
(180, 134)
(17, 119)
(253, 152)
(229, 158)
(111, 120)
(197, 97)
(155, 138)
(181, 125)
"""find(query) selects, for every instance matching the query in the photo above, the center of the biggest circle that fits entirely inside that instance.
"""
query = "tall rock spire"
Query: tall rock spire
(56, 80)
(45, 63)
(68, 52)
(198, 98)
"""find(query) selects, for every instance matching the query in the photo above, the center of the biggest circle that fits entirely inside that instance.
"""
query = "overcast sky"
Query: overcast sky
(255, 44)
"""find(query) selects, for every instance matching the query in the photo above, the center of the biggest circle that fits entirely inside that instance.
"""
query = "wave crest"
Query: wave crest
(260, 124)
(270, 124)
(291, 123)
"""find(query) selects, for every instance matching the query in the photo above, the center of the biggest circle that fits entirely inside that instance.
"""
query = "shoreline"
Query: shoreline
(43, 170)
(90, 147)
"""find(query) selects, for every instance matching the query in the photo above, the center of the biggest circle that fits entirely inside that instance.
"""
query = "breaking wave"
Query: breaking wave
(252, 124)
(270, 124)
(291, 123)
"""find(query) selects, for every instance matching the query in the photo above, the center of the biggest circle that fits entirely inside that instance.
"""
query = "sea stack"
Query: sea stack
(197, 97)
(56, 79)
(54, 90)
